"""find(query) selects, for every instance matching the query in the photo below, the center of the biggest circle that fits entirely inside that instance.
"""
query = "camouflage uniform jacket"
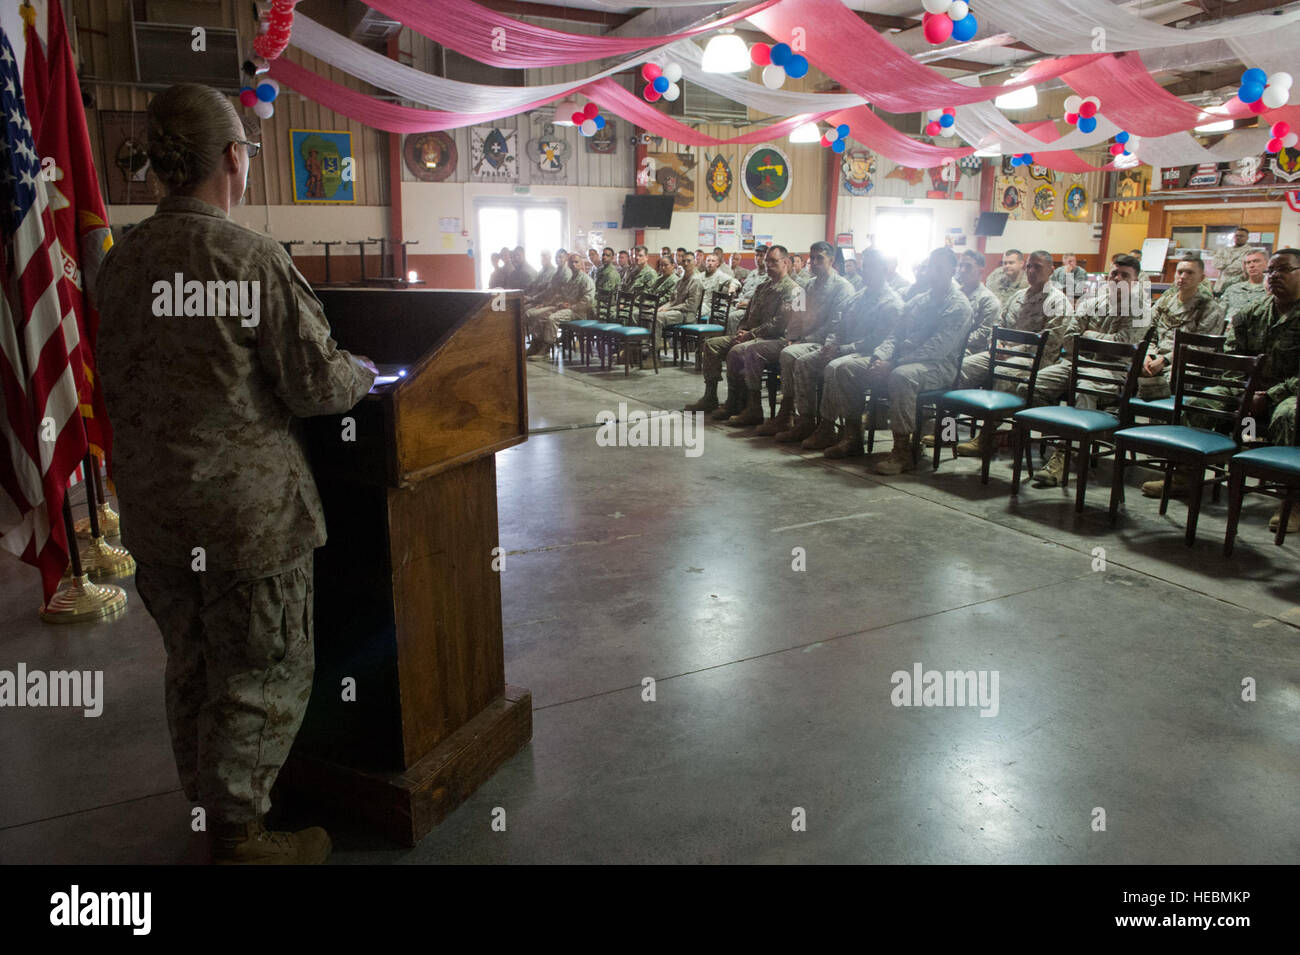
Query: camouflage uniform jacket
(663, 286)
(608, 279)
(986, 308)
(824, 299)
(867, 319)
(1232, 269)
(638, 280)
(1238, 296)
(686, 297)
(898, 283)
(1202, 315)
(1003, 286)
(209, 448)
(1046, 310)
(1269, 329)
(1116, 313)
(930, 328)
(579, 294)
(770, 309)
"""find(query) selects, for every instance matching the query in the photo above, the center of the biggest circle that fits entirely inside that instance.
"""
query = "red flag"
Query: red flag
(42, 439)
(80, 220)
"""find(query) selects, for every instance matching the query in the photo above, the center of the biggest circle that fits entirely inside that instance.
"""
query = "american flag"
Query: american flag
(42, 440)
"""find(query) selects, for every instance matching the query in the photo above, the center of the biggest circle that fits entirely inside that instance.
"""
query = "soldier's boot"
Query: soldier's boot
(849, 446)
(973, 448)
(735, 399)
(804, 427)
(752, 413)
(710, 400)
(824, 437)
(538, 347)
(1051, 473)
(900, 456)
(927, 439)
(781, 423)
(251, 843)
(1177, 489)
(1292, 524)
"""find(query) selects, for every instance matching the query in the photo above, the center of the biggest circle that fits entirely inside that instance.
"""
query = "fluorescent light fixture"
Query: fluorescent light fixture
(990, 152)
(1024, 98)
(726, 53)
(807, 133)
(1218, 126)
(564, 110)
(1125, 162)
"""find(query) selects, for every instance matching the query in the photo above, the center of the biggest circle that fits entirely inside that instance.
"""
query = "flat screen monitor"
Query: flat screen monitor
(991, 223)
(647, 212)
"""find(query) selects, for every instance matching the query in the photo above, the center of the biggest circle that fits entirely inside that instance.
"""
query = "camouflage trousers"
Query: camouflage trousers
(539, 321)
(1054, 383)
(802, 366)
(975, 370)
(712, 354)
(756, 355)
(1280, 428)
(848, 381)
(670, 316)
(240, 660)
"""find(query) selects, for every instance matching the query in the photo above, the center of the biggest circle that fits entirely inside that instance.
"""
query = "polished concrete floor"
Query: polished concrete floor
(1119, 693)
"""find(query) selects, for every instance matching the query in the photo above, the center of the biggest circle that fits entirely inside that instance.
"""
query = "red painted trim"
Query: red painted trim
(395, 233)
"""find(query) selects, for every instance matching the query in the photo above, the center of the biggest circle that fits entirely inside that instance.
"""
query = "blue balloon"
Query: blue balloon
(1087, 124)
(266, 92)
(599, 121)
(1255, 76)
(964, 29)
(1028, 159)
(1250, 92)
(947, 119)
(781, 54)
(796, 66)
(661, 84)
(1122, 136)
(1015, 160)
(838, 145)
(842, 130)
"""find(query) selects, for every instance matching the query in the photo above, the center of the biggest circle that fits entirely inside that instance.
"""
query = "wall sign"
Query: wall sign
(765, 176)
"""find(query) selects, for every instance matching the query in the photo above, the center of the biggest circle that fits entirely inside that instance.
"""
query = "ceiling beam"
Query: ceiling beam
(1218, 10)
(884, 21)
(518, 8)
(1205, 82)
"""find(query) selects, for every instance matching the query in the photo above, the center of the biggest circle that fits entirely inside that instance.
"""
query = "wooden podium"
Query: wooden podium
(410, 711)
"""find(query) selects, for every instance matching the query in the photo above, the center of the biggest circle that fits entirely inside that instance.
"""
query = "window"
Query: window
(503, 223)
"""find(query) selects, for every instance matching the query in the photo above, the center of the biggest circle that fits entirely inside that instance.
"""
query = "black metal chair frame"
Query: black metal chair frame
(1213, 343)
(1273, 482)
(685, 338)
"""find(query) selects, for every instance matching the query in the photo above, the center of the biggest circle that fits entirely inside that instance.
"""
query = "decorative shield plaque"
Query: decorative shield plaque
(857, 167)
(717, 178)
(765, 176)
(431, 157)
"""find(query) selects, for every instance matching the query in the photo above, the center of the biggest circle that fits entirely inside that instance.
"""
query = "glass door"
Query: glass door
(905, 233)
(505, 223)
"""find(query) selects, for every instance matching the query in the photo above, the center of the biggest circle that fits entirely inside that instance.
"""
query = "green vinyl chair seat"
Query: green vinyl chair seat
(980, 401)
(1050, 417)
(1151, 439)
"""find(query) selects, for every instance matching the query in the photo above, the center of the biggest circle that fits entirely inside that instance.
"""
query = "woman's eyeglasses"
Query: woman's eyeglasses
(253, 148)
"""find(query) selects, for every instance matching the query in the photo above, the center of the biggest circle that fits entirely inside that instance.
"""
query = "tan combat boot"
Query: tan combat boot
(1292, 524)
(250, 843)
(1053, 471)
(735, 399)
(824, 437)
(803, 427)
(1179, 487)
(710, 400)
(781, 423)
(900, 456)
(849, 446)
(752, 413)
(974, 448)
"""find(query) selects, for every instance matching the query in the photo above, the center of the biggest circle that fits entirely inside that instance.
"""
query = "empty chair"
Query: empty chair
(1096, 365)
(988, 406)
(1278, 472)
(1212, 387)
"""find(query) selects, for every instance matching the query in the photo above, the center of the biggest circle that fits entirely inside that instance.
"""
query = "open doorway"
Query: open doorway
(905, 233)
(537, 225)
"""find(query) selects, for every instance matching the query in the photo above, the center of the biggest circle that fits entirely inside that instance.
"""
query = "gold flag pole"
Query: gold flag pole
(100, 559)
(78, 600)
(109, 522)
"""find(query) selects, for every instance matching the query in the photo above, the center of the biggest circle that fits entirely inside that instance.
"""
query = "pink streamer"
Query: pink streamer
(873, 132)
(846, 48)
(472, 29)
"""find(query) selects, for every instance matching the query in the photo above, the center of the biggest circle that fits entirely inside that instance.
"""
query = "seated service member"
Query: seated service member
(918, 355)
(1229, 261)
(712, 280)
(1240, 294)
(1071, 277)
(865, 320)
(1008, 278)
(639, 276)
(824, 298)
(544, 274)
(766, 318)
(521, 274)
(684, 304)
(575, 300)
(986, 308)
(723, 265)
(1184, 306)
(666, 279)
(756, 277)
(210, 453)
(608, 279)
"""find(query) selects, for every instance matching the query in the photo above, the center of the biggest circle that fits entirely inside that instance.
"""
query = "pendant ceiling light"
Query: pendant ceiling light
(726, 53)
(807, 133)
(564, 110)
(1025, 98)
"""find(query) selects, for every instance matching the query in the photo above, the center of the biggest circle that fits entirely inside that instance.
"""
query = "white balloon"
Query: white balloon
(1290, 139)
(773, 76)
(1276, 96)
(936, 6)
(1072, 103)
(1280, 79)
(264, 109)
(1095, 100)
(832, 133)
(588, 127)
(673, 72)
(957, 10)
(672, 92)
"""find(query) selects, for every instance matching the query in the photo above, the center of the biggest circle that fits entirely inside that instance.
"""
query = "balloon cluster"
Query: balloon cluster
(260, 99)
(940, 120)
(1022, 159)
(778, 61)
(1125, 144)
(1283, 138)
(948, 18)
(1261, 91)
(661, 81)
(1081, 111)
(836, 137)
(588, 119)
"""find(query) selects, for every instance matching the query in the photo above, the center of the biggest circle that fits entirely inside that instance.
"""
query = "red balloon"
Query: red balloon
(1280, 129)
(248, 98)
(933, 128)
(1275, 145)
(1117, 149)
(1072, 118)
(825, 141)
(650, 93)
(1257, 107)
(950, 111)
(578, 117)
(761, 53)
(650, 71)
(1088, 109)
(937, 27)
(590, 111)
